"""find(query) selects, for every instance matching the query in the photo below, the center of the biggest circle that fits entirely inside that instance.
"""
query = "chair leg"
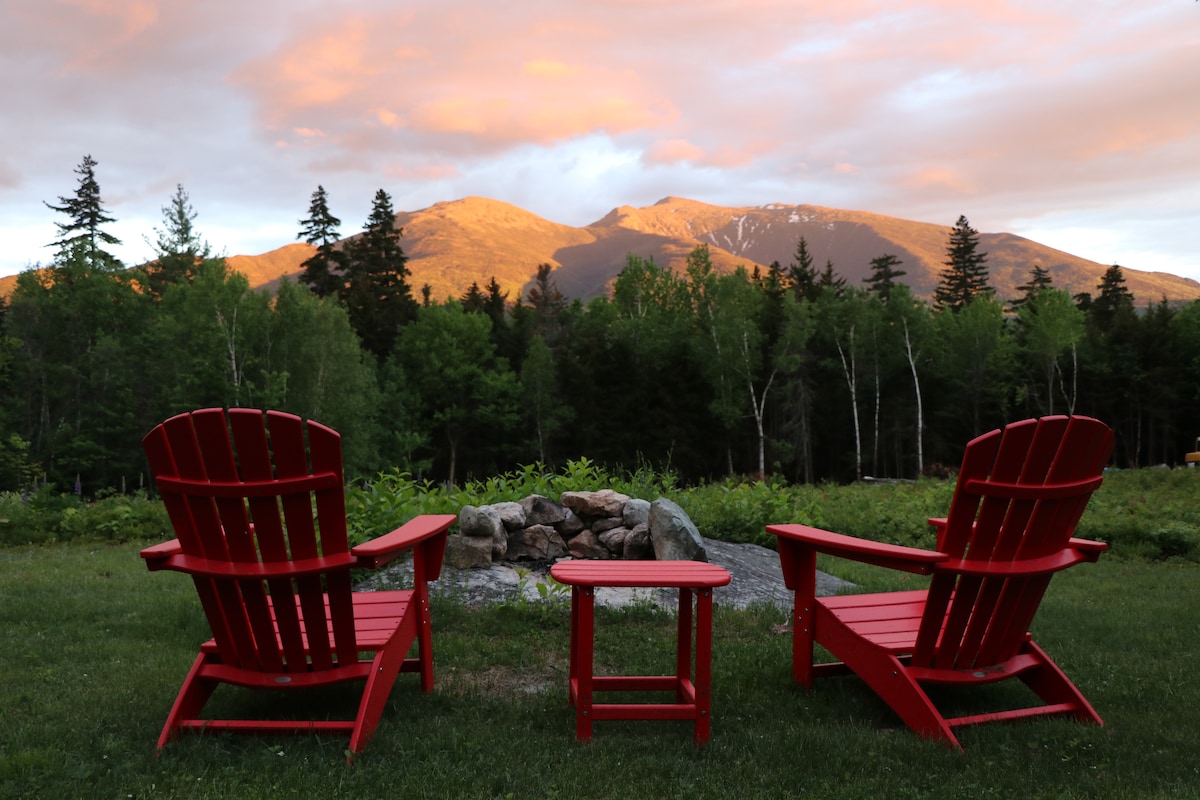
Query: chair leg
(385, 667)
(1053, 686)
(424, 641)
(889, 677)
(892, 682)
(194, 693)
(804, 601)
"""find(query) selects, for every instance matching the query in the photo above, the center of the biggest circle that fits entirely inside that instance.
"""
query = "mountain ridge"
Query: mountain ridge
(454, 244)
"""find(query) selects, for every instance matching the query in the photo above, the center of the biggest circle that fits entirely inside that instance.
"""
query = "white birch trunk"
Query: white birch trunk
(848, 369)
(912, 365)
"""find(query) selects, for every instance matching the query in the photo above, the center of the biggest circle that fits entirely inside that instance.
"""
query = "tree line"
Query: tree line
(786, 371)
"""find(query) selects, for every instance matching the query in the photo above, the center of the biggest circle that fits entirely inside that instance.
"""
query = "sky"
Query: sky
(1075, 123)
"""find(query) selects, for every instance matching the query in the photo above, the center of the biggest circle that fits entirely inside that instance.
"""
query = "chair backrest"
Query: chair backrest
(261, 520)
(1019, 496)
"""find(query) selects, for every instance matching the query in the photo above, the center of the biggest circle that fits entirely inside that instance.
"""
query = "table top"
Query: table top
(683, 574)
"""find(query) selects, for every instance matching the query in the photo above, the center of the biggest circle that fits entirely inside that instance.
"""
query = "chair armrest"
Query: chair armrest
(907, 559)
(1089, 549)
(156, 555)
(421, 530)
(1020, 568)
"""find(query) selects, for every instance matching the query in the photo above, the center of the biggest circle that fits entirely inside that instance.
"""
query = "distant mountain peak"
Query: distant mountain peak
(456, 243)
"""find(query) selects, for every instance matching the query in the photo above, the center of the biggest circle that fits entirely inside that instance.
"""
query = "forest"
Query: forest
(787, 372)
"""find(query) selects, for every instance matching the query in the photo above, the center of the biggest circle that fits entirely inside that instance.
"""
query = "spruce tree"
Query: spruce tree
(323, 271)
(831, 280)
(1114, 298)
(802, 275)
(82, 237)
(376, 291)
(178, 248)
(966, 273)
(547, 304)
(883, 275)
(1039, 279)
(472, 299)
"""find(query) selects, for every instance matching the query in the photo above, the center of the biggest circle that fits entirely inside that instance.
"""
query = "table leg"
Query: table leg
(583, 629)
(574, 646)
(683, 643)
(704, 646)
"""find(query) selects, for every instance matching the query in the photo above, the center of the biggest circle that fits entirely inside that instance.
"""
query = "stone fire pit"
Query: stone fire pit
(601, 524)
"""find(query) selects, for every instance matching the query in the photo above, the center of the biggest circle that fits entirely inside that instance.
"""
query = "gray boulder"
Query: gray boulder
(485, 523)
(636, 512)
(570, 525)
(637, 545)
(614, 541)
(672, 533)
(536, 543)
(511, 514)
(468, 552)
(542, 510)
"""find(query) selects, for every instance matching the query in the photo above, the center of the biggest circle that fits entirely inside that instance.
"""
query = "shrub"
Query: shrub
(47, 516)
(740, 512)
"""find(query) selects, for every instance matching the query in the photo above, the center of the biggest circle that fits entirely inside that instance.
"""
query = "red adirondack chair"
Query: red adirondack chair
(1020, 493)
(260, 517)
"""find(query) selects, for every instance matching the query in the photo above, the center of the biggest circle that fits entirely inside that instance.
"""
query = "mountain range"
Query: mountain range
(452, 245)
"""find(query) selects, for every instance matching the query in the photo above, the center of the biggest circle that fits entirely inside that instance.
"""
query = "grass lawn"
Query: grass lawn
(93, 649)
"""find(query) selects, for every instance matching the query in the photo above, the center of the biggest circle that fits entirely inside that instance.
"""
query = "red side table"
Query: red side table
(694, 579)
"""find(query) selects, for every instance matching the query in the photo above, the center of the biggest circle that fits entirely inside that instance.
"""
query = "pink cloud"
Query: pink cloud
(671, 150)
(912, 108)
(941, 179)
(421, 172)
(484, 90)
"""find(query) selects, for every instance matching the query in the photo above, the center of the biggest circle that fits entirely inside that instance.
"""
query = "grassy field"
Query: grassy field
(93, 649)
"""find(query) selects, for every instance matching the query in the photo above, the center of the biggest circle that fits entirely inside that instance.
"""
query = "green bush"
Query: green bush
(1146, 513)
(740, 512)
(1142, 514)
(46, 517)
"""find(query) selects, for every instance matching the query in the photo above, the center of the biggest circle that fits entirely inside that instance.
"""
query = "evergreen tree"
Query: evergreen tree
(547, 303)
(82, 236)
(323, 271)
(496, 302)
(966, 273)
(1113, 377)
(883, 275)
(1039, 279)
(831, 280)
(472, 299)
(376, 292)
(1114, 297)
(178, 248)
(511, 333)
(802, 275)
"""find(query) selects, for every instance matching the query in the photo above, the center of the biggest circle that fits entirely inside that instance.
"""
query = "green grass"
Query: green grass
(93, 649)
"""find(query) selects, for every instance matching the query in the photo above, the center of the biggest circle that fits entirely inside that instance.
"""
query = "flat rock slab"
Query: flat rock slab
(755, 572)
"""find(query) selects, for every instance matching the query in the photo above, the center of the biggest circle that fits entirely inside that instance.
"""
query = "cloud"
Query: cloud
(672, 150)
(923, 109)
(487, 94)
